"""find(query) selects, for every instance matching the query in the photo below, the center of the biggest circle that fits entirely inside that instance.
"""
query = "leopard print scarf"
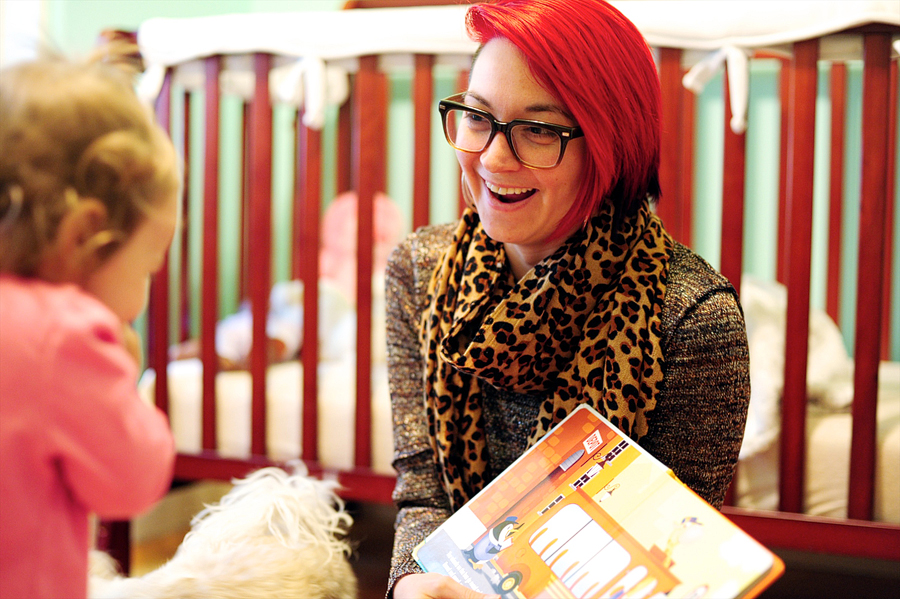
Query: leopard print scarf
(583, 326)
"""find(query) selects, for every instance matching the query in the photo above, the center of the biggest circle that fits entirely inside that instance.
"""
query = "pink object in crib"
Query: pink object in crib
(337, 261)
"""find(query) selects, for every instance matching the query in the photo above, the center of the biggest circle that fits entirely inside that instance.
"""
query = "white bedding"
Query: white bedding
(829, 374)
(336, 411)
(828, 460)
(830, 395)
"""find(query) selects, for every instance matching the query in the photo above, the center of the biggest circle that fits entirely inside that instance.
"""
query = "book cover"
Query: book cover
(586, 512)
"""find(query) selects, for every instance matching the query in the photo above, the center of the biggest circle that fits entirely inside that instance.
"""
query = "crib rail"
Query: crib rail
(361, 165)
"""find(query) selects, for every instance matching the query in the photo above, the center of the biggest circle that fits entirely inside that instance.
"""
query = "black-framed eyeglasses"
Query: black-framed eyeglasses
(535, 144)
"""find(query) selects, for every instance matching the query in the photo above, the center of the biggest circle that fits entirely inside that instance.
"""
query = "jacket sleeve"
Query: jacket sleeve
(422, 502)
(115, 452)
(698, 424)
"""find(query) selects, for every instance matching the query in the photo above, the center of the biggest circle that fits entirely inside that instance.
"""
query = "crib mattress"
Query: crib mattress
(284, 402)
(828, 460)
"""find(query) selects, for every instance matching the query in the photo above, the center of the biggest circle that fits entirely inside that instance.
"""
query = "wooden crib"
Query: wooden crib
(359, 161)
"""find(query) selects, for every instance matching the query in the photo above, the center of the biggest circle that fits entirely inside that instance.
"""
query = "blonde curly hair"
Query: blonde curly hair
(71, 130)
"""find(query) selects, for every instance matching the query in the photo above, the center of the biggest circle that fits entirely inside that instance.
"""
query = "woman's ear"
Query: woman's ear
(73, 253)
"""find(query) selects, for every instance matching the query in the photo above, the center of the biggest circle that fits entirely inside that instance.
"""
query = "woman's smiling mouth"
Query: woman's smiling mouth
(510, 195)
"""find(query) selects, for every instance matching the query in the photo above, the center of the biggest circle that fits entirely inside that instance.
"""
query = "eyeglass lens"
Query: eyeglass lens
(534, 145)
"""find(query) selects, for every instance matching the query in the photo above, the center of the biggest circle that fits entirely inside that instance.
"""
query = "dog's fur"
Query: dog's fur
(273, 535)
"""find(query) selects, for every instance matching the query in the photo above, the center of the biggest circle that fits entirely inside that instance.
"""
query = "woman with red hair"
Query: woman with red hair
(558, 286)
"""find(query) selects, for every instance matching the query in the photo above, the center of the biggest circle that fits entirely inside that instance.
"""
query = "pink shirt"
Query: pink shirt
(74, 436)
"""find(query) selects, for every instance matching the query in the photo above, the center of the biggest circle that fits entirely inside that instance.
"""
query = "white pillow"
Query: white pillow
(829, 367)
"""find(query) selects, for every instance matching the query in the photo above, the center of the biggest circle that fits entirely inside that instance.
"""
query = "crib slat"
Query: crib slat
(733, 176)
(798, 231)
(369, 109)
(423, 96)
(342, 169)
(306, 268)
(836, 190)
(244, 202)
(732, 242)
(158, 301)
(114, 537)
(209, 312)
(687, 165)
(186, 290)
(887, 314)
(260, 225)
(671, 167)
(784, 93)
(873, 203)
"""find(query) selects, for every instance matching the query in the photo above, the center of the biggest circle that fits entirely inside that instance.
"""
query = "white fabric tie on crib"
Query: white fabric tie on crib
(738, 61)
(317, 88)
(150, 82)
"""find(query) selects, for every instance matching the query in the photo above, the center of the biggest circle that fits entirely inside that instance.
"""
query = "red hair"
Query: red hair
(597, 64)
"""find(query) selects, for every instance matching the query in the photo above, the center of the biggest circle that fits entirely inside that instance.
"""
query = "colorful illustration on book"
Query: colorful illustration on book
(684, 532)
(606, 493)
(489, 544)
(540, 528)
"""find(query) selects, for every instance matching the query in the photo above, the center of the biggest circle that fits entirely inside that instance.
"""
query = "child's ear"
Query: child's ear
(73, 254)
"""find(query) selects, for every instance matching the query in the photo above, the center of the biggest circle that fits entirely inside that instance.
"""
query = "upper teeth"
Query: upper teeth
(505, 191)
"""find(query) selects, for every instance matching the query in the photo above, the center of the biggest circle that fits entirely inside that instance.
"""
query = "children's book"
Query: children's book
(586, 512)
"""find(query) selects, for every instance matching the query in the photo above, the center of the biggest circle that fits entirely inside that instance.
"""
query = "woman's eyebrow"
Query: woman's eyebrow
(533, 108)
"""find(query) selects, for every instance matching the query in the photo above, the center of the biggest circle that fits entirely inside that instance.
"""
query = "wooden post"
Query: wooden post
(873, 204)
(260, 251)
(798, 248)
(209, 294)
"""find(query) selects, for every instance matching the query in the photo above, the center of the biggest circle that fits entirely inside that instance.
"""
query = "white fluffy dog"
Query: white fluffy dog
(273, 535)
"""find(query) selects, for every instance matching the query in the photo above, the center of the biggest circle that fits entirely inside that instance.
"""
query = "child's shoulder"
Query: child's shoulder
(38, 304)
(51, 335)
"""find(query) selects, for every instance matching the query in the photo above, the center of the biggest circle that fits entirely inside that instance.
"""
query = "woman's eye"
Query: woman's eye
(538, 134)
(476, 121)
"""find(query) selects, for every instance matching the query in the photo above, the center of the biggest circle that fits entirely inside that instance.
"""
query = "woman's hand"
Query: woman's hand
(132, 342)
(434, 586)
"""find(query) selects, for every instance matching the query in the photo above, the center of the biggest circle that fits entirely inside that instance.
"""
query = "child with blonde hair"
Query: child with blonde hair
(88, 206)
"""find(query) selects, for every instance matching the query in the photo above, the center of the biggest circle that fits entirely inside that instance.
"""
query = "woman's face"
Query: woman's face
(518, 206)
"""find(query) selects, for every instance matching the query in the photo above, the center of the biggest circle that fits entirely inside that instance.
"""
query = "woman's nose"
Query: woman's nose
(498, 155)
